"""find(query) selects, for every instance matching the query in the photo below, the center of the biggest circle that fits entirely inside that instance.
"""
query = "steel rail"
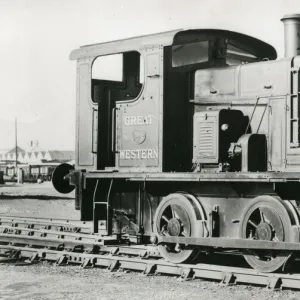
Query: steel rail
(228, 243)
(38, 225)
(61, 235)
(49, 220)
(223, 274)
(19, 231)
(54, 235)
(71, 241)
(86, 249)
(43, 223)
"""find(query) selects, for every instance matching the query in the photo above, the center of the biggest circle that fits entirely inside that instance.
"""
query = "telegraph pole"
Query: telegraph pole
(16, 142)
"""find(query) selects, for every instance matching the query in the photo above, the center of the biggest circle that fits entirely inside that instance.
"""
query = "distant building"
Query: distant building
(35, 156)
(35, 162)
(3, 151)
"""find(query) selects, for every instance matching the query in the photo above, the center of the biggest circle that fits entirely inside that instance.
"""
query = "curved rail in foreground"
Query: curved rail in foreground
(47, 241)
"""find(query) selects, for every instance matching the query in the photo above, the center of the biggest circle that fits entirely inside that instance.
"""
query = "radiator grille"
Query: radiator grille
(205, 150)
(205, 140)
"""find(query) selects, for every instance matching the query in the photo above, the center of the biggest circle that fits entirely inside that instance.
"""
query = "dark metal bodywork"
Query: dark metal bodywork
(134, 151)
(164, 94)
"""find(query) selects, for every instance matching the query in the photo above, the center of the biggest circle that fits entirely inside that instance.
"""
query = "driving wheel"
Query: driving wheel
(268, 219)
(179, 215)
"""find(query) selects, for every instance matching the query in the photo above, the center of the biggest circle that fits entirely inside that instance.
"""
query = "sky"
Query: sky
(37, 79)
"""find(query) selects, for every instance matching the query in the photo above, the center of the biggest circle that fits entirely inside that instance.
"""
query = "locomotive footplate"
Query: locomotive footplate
(196, 177)
(227, 243)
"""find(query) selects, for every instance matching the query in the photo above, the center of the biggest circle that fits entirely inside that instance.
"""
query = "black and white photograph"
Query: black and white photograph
(149, 150)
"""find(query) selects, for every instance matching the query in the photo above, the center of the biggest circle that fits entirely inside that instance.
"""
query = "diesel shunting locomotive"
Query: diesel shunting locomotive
(189, 139)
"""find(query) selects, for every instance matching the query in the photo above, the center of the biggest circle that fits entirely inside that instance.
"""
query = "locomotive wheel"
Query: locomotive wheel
(179, 215)
(267, 219)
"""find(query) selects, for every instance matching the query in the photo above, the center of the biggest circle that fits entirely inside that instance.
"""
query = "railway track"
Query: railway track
(29, 240)
(47, 223)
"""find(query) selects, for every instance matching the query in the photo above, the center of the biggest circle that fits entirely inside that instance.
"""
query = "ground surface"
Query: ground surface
(33, 190)
(39, 200)
(46, 281)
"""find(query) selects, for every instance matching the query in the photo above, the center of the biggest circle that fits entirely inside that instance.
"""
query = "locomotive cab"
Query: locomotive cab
(142, 121)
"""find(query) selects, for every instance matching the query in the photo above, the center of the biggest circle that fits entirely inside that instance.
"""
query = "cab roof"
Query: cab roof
(253, 45)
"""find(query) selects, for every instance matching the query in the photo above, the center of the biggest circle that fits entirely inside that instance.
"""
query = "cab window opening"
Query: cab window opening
(189, 54)
(211, 52)
(119, 76)
(236, 55)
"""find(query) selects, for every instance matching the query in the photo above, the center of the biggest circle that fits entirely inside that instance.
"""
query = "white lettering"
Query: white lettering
(149, 153)
(122, 154)
(138, 120)
(133, 120)
(133, 154)
(149, 121)
(139, 154)
(126, 121)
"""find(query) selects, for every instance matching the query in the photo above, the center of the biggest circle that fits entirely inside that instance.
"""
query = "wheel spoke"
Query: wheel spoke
(183, 233)
(273, 218)
(262, 216)
(164, 231)
(173, 209)
(181, 215)
(252, 223)
(165, 218)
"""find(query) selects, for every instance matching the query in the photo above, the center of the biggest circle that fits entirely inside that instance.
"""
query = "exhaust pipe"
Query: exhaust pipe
(291, 35)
